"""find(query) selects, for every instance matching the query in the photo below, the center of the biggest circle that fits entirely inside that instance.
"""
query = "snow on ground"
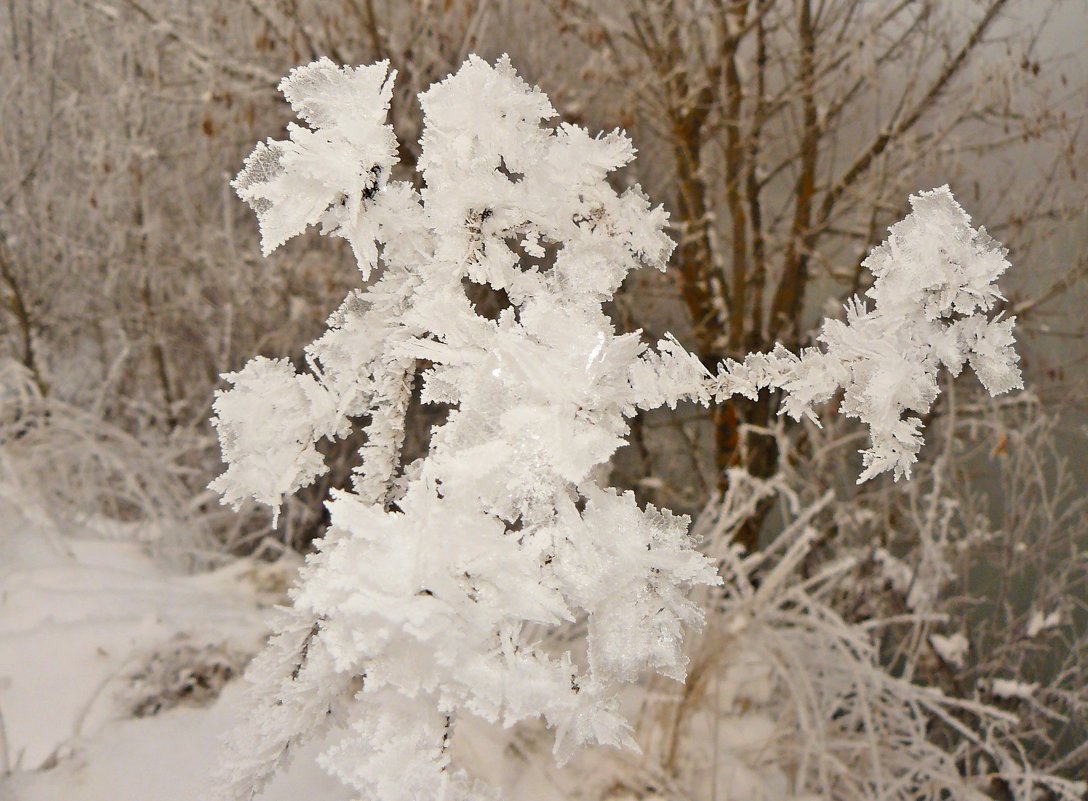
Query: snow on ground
(116, 675)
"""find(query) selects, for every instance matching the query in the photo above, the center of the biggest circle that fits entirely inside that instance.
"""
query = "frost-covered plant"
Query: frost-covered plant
(426, 599)
(77, 471)
(787, 700)
(959, 573)
(180, 673)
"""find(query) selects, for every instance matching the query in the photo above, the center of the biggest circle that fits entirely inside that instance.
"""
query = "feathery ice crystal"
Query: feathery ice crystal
(430, 596)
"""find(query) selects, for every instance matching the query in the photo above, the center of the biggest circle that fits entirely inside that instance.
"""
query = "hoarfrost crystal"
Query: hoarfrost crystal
(426, 599)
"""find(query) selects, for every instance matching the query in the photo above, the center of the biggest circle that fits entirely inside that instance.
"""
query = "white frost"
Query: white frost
(952, 649)
(428, 596)
(1010, 689)
(1040, 622)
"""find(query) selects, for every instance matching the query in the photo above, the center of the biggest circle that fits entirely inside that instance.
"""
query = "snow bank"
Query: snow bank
(111, 669)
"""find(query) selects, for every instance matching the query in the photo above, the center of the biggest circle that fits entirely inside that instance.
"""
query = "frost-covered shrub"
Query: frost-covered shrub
(180, 673)
(426, 599)
(85, 475)
(789, 699)
(979, 583)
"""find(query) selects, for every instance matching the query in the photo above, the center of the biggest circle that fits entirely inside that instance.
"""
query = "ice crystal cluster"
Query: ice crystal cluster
(430, 597)
(935, 277)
